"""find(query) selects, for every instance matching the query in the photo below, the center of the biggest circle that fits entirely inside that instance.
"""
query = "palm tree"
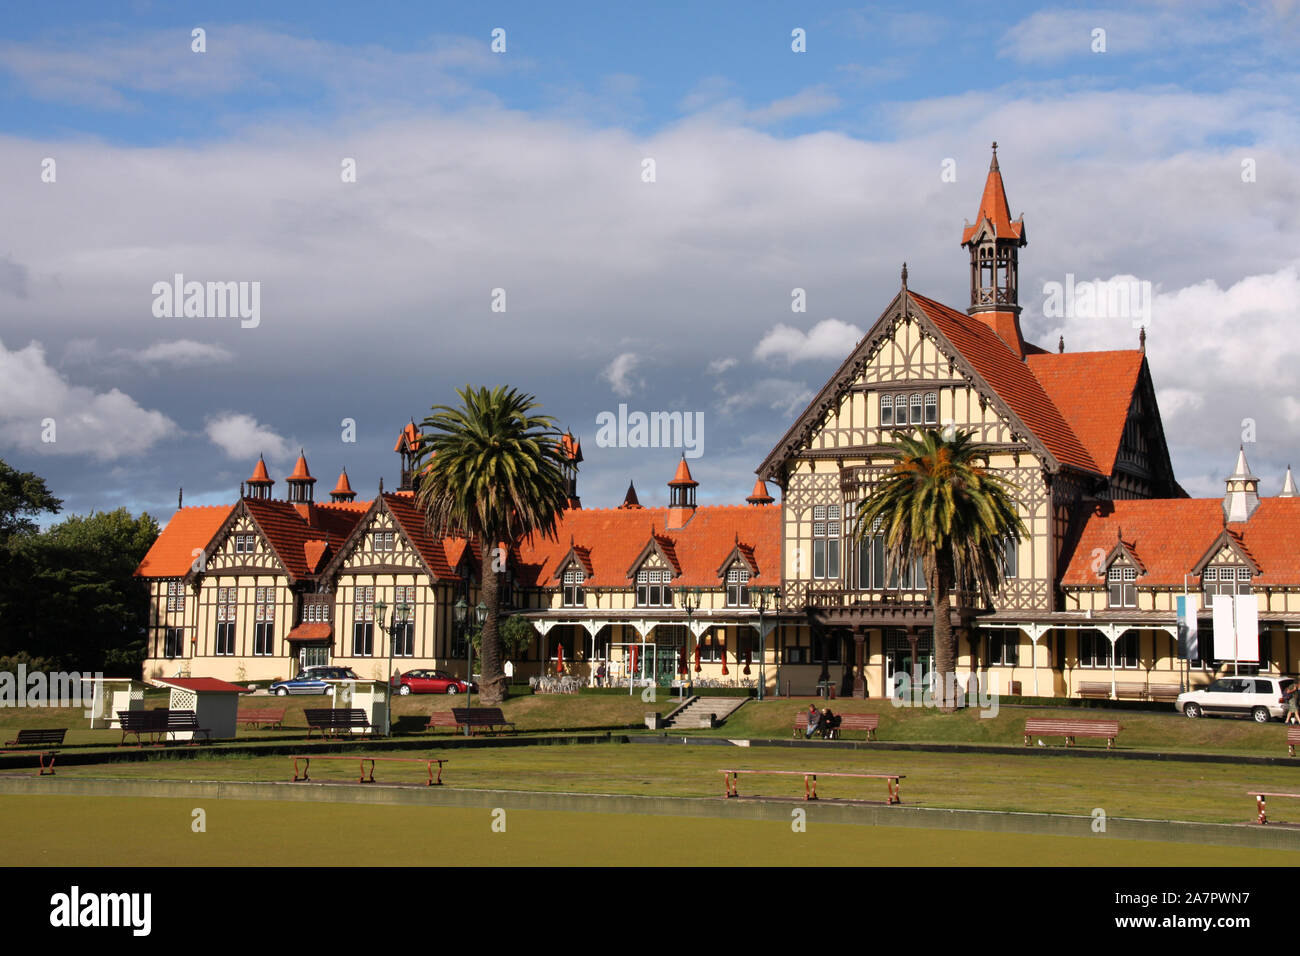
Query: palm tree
(941, 505)
(490, 469)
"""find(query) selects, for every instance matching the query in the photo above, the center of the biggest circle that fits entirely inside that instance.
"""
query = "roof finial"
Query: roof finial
(1142, 339)
(904, 276)
(1060, 345)
(381, 484)
(180, 497)
(994, 163)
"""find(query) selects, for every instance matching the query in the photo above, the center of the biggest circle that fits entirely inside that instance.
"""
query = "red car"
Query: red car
(429, 682)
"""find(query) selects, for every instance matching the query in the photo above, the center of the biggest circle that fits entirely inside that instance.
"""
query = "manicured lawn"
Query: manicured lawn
(106, 831)
(1055, 784)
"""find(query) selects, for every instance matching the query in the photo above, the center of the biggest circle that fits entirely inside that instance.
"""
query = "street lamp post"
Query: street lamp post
(460, 611)
(480, 615)
(691, 602)
(399, 613)
(759, 597)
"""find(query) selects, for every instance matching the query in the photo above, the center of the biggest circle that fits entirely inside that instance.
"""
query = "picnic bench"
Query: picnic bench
(867, 722)
(41, 737)
(729, 780)
(267, 717)
(1261, 802)
(1069, 729)
(178, 720)
(1130, 691)
(361, 763)
(335, 721)
(40, 755)
(490, 718)
(1165, 693)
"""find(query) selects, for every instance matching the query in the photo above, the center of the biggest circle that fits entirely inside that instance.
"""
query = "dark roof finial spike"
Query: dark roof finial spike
(381, 484)
(1060, 345)
(1142, 339)
(994, 163)
(904, 276)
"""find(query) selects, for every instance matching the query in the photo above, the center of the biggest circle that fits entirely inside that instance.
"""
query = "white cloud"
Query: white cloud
(243, 437)
(180, 353)
(720, 365)
(828, 339)
(619, 374)
(102, 425)
(813, 101)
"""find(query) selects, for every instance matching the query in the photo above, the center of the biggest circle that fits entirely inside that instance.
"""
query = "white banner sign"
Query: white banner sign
(1247, 628)
(1225, 632)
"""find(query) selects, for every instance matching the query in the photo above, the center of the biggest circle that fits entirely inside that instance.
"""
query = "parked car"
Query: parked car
(430, 682)
(312, 680)
(1260, 698)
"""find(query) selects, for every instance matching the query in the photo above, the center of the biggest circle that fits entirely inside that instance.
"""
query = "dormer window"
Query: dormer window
(1226, 580)
(737, 586)
(245, 543)
(917, 408)
(653, 590)
(383, 541)
(1121, 582)
(575, 594)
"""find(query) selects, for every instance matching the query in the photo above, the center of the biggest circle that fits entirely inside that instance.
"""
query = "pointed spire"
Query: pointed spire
(260, 483)
(683, 475)
(1242, 497)
(300, 470)
(630, 500)
(759, 495)
(1142, 339)
(301, 481)
(343, 489)
(995, 208)
(1288, 486)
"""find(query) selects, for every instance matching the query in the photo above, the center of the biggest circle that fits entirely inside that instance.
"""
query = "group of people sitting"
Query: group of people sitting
(822, 722)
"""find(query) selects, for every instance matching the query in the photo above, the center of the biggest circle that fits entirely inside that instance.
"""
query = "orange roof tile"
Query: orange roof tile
(760, 494)
(288, 528)
(343, 487)
(1173, 534)
(409, 437)
(630, 499)
(614, 537)
(571, 447)
(172, 553)
(1093, 392)
(300, 470)
(1011, 379)
(434, 552)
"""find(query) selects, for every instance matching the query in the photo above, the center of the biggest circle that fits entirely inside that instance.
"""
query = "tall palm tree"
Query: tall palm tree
(490, 469)
(941, 505)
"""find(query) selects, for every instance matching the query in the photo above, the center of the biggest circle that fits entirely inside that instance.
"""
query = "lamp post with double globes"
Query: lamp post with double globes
(762, 597)
(691, 602)
(399, 614)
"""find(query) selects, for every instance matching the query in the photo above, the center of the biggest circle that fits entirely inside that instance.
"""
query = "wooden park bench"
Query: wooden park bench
(867, 722)
(1164, 693)
(1069, 729)
(40, 737)
(268, 717)
(810, 781)
(335, 721)
(179, 720)
(1261, 802)
(1095, 689)
(140, 722)
(1292, 738)
(488, 718)
(441, 718)
(1130, 691)
(361, 763)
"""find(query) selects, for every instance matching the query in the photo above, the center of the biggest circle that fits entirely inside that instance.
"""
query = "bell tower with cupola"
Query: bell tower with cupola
(994, 241)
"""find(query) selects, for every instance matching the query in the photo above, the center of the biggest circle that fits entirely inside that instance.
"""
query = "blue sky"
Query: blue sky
(818, 170)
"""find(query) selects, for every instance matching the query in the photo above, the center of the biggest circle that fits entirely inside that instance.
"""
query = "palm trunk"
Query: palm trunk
(493, 688)
(945, 639)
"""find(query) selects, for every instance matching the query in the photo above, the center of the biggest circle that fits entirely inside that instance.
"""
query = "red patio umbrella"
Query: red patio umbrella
(681, 660)
(634, 660)
(697, 657)
(746, 663)
(725, 672)
(559, 658)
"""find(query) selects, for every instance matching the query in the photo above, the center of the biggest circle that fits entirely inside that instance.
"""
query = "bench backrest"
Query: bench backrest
(268, 714)
(479, 715)
(182, 720)
(336, 717)
(41, 736)
(1293, 734)
(155, 719)
(442, 718)
(859, 721)
(1043, 725)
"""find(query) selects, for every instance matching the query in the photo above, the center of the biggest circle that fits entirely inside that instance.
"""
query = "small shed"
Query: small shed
(108, 695)
(215, 702)
(368, 695)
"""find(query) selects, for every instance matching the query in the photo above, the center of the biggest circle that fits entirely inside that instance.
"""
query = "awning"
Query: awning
(314, 632)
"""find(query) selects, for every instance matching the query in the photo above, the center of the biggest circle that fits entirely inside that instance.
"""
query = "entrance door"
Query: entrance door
(313, 655)
(899, 660)
(670, 640)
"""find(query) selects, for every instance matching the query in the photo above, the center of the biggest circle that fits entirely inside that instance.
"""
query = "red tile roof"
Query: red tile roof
(300, 470)
(172, 553)
(1093, 392)
(311, 631)
(614, 537)
(260, 477)
(288, 529)
(683, 474)
(434, 552)
(207, 685)
(760, 496)
(1011, 379)
(343, 487)
(571, 447)
(1173, 534)
(408, 438)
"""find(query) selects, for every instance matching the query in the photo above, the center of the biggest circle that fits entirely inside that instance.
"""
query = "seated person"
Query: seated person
(814, 719)
(830, 723)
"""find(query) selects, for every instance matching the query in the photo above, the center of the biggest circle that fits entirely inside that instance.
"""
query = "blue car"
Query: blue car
(313, 680)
